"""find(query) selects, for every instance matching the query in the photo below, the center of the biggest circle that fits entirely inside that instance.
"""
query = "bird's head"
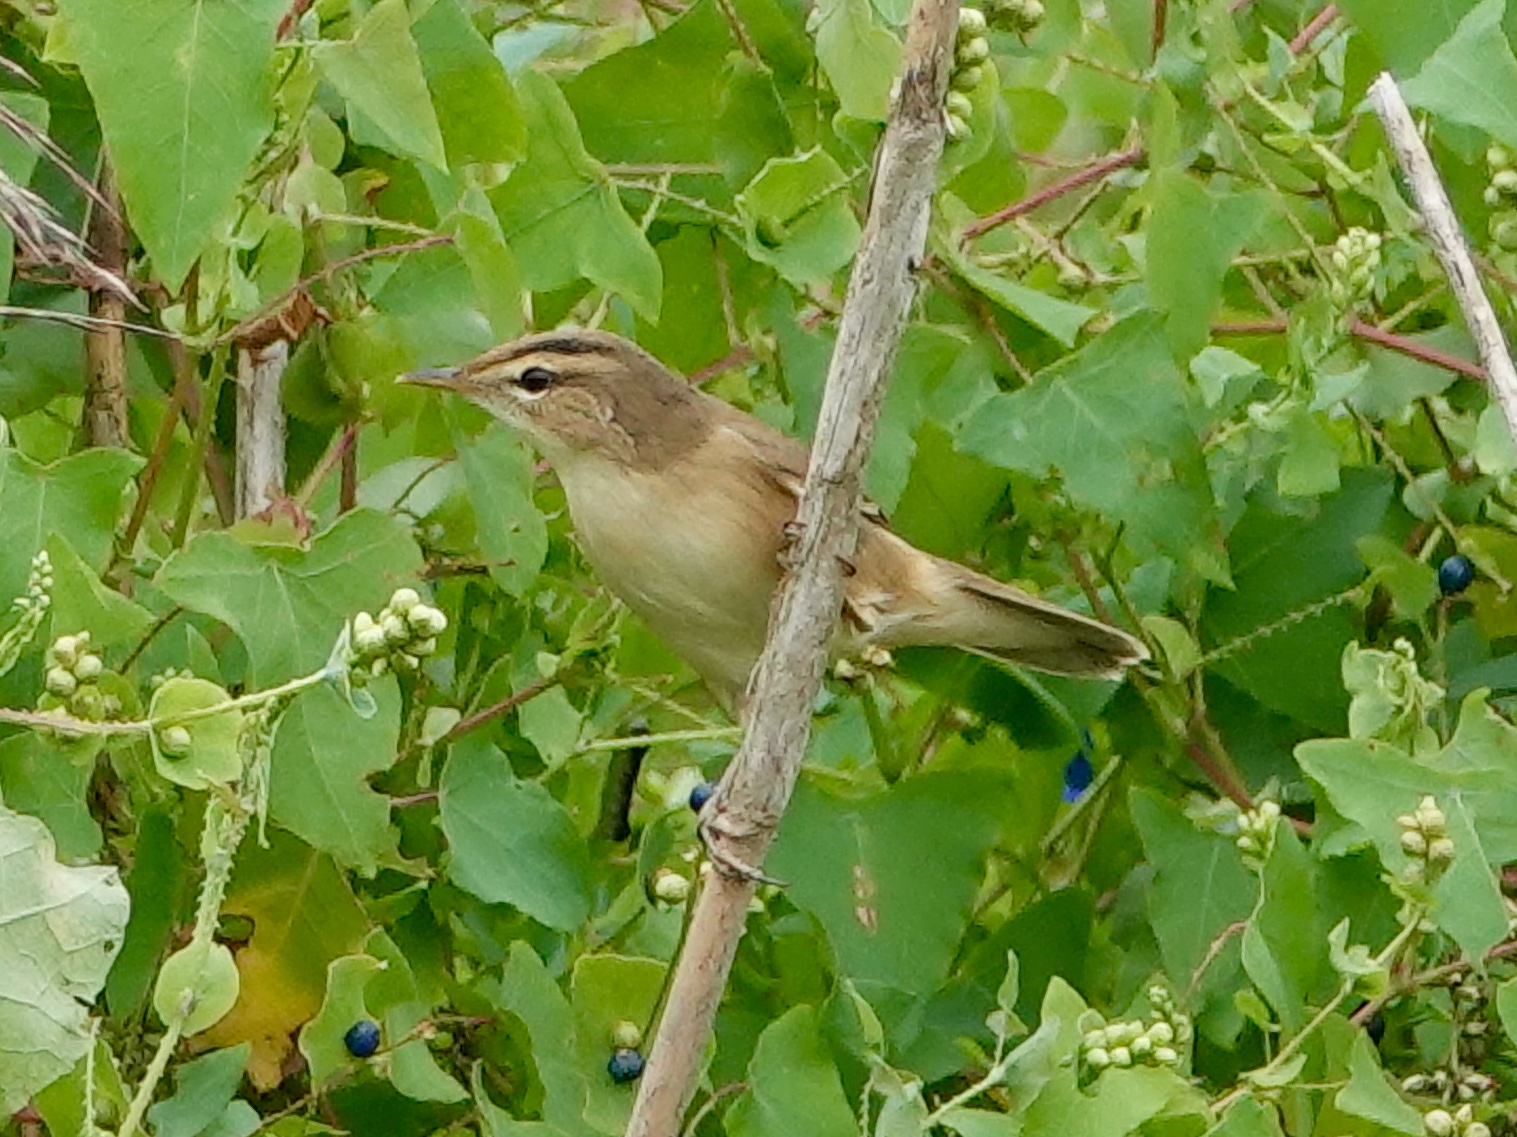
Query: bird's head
(573, 393)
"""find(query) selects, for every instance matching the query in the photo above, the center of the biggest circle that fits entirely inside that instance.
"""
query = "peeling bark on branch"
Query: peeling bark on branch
(744, 814)
(260, 426)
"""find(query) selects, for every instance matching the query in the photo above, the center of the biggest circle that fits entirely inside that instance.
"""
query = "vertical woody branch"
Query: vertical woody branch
(1448, 242)
(742, 818)
(105, 421)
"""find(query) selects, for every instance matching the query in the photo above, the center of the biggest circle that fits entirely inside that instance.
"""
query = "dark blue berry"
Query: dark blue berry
(1078, 774)
(1375, 1028)
(701, 795)
(625, 1066)
(1455, 574)
(362, 1039)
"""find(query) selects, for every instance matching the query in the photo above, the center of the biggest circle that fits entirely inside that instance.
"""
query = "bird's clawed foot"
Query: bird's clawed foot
(715, 832)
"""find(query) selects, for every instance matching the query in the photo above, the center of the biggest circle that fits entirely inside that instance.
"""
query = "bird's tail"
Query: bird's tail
(985, 616)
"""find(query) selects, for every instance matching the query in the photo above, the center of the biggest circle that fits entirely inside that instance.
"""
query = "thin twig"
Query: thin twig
(1448, 242)
(739, 822)
(81, 321)
(1093, 172)
(496, 710)
(184, 382)
(1310, 32)
(300, 286)
(1403, 345)
(327, 463)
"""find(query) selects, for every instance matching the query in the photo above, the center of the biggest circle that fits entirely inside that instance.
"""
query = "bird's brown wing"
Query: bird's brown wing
(783, 459)
(899, 596)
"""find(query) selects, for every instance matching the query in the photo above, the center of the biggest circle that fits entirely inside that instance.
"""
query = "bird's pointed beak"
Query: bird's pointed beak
(447, 378)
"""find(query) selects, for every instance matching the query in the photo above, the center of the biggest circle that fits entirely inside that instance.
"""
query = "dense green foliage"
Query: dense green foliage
(1209, 384)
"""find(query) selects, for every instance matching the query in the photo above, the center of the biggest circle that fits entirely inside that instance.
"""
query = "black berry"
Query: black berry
(1455, 574)
(701, 795)
(625, 1066)
(362, 1039)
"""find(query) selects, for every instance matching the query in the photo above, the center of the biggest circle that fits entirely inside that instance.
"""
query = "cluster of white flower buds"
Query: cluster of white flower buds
(1256, 833)
(1501, 195)
(30, 607)
(1466, 1088)
(971, 55)
(402, 635)
(73, 674)
(1020, 16)
(1158, 1042)
(1462, 1123)
(1425, 839)
(1354, 260)
(39, 587)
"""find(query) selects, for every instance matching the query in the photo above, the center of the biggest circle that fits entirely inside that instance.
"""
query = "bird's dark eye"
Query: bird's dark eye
(535, 380)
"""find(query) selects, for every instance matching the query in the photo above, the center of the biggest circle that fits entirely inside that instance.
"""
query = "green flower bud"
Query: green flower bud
(958, 129)
(423, 647)
(175, 741)
(88, 667)
(1505, 182)
(958, 104)
(671, 887)
(1413, 843)
(1491, 196)
(972, 53)
(1497, 156)
(626, 1036)
(1162, 1033)
(395, 629)
(362, 623)
(1141, 1046)
(1440, 851)
(61, 682)
(967, 78)
(1121, 1057)
(971, 23)
(1504, 232)
(404, 599)
(1438, 1122)
(1166, 1056)
(1477, 1129)
(1097, 1059)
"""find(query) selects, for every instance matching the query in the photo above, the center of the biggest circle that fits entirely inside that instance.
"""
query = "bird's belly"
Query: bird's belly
(687, 559)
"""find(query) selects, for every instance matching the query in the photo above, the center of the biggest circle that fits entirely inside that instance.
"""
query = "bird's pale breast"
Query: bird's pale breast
(691, 549)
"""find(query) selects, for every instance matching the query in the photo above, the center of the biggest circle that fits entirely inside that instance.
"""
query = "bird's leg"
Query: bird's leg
(790, 538)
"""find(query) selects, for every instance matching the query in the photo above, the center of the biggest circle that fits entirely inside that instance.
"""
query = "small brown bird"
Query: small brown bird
(680, 503)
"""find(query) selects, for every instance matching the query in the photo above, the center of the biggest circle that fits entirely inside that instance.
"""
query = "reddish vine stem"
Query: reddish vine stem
(1371, 334)
(1310, 32)
(480, 718)
(1054, 190)
(291, 19)
(184, 381)
(1161, 17)
(335, 455)
(215, 466)
(347, 485)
